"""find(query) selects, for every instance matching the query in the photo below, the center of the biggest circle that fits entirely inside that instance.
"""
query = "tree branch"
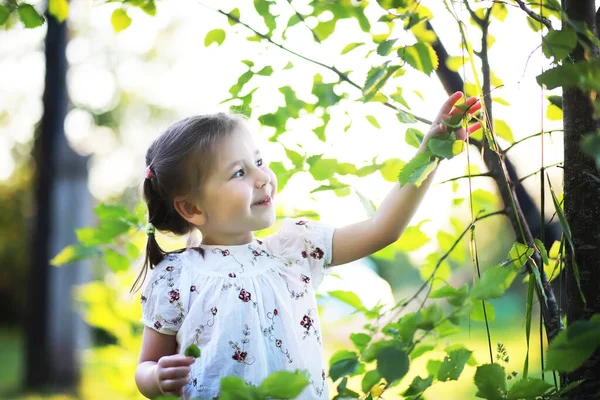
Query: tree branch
(340, 74)
(466, 176)
(530, 137)
(479, 21)
(301, 17)
(537, 17)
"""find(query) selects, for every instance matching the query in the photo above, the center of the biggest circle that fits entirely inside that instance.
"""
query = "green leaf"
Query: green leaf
(571, 347)
(419, 350)
(420, 56)
(392, 364)
(342, 363)
(4, 13)
(370, 379)
(390, 169)
(120, 20)
(433, 366)
(376, 78)
(493, 283)
(385, 48)
(192, 351)
(296, 158)
(106, 211)
(149, 8)
(477, 313)
(215, 36)
(542, 250)
(351, 46)
(407, 326)
(559, 43)
(283, 174)
(116, 261)
(234, 388)
(417, 169)
(373, 121)
(349, 298)
(73, 253)
(519, 254)
(263, 9)
(529, 388)
(414, 137)
(412, 238)
(29, 16)
(59, 9)
(418, 386)
(502, 129)
(370, 354)
(284, 384)
(491, 382)
(234, 13)
(453, 364)
(360, 340)
(266, 71)
(443, 148)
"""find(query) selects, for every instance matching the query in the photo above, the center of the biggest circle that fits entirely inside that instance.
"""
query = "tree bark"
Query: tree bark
(582, 207)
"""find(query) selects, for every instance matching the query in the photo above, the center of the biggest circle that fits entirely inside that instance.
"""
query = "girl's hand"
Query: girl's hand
(447, 111)
(173, 373)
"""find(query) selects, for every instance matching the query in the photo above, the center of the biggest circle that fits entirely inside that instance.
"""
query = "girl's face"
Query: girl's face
(237, 198)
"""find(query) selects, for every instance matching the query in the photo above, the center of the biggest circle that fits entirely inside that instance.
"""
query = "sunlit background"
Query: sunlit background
(126, 88)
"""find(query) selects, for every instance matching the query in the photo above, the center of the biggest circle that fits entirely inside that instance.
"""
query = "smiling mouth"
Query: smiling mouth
(264, 202)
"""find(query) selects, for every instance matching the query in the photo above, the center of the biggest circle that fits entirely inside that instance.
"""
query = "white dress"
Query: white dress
(251, 309)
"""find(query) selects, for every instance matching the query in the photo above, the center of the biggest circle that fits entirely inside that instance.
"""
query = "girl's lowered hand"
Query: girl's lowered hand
(447, 111)
(173, 373)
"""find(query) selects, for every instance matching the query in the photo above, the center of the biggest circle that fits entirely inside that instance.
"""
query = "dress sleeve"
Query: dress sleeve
(162, 298)
(308, 240)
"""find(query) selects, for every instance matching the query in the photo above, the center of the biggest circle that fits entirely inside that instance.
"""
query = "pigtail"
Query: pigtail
(154, 253)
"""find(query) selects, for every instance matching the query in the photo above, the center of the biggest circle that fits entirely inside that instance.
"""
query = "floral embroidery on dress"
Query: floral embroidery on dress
(270, 334)
(243, 295)
(308, 323)
(227, 253)
(241, 355)
(319, 390)
(209, 324)
(174, 296)
(199, 388)
(295, 294)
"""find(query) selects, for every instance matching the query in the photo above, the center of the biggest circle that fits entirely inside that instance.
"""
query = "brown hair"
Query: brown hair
(179, 162)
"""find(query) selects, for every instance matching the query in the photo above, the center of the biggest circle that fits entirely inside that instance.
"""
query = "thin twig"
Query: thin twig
(301, 17)
(537, 17)
(537, 172)
(439, 262)
(530, 137)
(466, 176)
(479, 21)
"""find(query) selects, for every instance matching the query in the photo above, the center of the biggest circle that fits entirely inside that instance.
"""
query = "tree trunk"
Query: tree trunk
(55, 332)
(582, 208)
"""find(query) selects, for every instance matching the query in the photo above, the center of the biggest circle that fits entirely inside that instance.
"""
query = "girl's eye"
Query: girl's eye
(239, 173)
(259, 163)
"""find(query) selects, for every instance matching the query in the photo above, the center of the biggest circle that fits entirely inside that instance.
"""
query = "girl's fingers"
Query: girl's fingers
(177, 360)
(174, 387)
(174, 373)
(473, 104)
(474, 127)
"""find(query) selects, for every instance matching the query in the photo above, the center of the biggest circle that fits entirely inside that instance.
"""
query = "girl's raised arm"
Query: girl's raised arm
(364, 238)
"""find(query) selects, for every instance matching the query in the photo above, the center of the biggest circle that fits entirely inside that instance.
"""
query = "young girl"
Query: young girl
(248, 304)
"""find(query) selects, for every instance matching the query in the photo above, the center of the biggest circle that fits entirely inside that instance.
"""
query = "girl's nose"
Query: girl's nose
(262, 179)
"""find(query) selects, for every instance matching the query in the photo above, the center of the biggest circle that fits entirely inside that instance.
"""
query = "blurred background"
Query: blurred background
(79, 324)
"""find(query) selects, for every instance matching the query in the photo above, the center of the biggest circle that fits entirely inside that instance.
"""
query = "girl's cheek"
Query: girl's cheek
(273, 181)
